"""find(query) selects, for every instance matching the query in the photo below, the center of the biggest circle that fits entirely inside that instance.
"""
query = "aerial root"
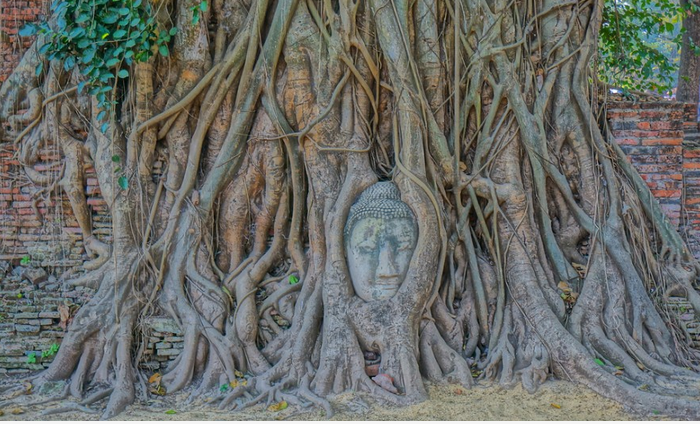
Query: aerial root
(69, 407)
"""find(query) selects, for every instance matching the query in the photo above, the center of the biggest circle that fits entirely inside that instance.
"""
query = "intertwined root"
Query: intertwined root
(538, 250)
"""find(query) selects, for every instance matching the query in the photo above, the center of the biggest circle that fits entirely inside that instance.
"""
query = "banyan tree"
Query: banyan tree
(336, 195)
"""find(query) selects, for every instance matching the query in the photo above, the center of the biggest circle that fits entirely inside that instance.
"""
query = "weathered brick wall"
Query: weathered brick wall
(662, 141)
(13, 15)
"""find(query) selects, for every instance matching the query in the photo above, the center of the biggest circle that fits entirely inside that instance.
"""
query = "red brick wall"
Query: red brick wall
(40, 226)
(13, 15)
(662, 141)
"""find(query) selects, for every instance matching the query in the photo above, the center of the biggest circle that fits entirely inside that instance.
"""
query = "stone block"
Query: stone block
(27, 329)
(50, 314)
(164, 325)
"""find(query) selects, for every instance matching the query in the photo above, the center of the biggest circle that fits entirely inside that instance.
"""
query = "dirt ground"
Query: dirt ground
(555, 400)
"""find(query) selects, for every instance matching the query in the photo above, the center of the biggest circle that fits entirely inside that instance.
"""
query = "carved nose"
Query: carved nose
(387, 266)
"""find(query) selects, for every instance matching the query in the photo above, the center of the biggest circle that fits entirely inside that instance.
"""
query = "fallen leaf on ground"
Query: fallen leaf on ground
(555, 405)
(159, 390)
(385, 382)
(155, 378)
(171, 412)
(17, 411)
(278, 406)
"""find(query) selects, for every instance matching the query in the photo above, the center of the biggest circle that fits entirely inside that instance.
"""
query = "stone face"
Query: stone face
(380, 236)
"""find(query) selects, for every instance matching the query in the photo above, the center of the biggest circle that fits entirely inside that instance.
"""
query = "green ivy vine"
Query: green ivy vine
(102, 38)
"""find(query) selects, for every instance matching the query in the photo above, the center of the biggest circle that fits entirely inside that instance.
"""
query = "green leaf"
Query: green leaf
(25, 260)
(39, 68)
(77, 32)
(293, 279)
(27, 30)
(69, 63)
(599, 362)
(119, 33)
(116, 159)
(171, 412)
(104, 127)
(123, 182)
(163, 50)
(81, 86)
(203, 6)
(31, 358)
(123, 73)
(111, 62)
(172, 31)
(225, 290)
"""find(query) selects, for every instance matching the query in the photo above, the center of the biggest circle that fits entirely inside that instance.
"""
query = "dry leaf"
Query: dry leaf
(64, 313)
(555, 405)
(238, 374)
(458, 391)
(641, 366)
(16, 411)
(385, 382)
(581, 269)
(1, 413)
(618, 372)
(155, 378)
(564, 286)
(233, 384)
(159, 390)
(28, 388)
(278, 406)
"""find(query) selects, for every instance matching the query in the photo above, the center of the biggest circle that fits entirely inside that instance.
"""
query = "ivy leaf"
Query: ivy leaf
(163, 50)
(171, 412)
(119, 33)
(123, 182)
(203, 6)
(116, 159)
(599, 362)
(27, 30)
(39, 68)
(293, 279)
(123, 73)
(172, 31)
(111, 62)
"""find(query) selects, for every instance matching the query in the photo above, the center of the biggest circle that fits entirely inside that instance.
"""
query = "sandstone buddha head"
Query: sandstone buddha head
(380, 237)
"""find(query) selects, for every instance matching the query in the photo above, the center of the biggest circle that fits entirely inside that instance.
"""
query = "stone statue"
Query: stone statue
(380, 236)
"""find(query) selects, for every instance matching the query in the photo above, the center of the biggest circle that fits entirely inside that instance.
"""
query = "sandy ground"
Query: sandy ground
(553, 401)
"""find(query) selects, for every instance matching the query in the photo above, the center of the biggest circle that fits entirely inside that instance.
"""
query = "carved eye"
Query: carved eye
(366, 248)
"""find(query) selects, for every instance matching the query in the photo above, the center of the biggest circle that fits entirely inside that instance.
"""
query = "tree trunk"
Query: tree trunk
(689, 73)
(364, 196)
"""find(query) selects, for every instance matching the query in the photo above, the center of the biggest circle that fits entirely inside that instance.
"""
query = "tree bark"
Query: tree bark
(689, 72)
(537, 249)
